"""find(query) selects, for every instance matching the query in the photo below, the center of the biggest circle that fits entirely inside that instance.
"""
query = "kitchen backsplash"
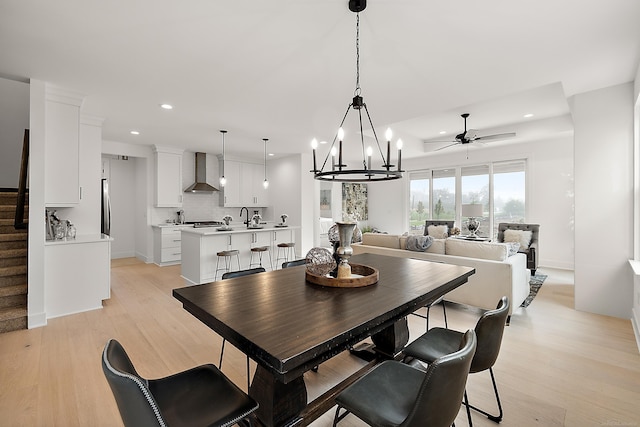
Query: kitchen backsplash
(206, 207)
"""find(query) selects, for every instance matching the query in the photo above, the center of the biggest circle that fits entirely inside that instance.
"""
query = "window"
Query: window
(508, 193)
(475, 189)
(419, 201)
(444, 194)
(499, 187)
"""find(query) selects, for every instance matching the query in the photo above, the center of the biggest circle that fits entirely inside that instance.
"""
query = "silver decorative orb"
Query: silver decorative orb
(320, 261)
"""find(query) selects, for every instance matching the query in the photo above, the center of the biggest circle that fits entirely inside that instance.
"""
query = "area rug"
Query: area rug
(534, 286)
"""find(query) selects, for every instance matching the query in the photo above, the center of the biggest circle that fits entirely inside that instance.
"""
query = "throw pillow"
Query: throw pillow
(512, 248)
(438, 231)
(519, 236)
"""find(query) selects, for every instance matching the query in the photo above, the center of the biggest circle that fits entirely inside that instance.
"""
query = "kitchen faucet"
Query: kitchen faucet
(245, 209)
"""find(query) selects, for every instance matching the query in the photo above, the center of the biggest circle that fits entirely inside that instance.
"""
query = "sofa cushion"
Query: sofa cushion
(384, 240)
(519, 236)
(437, 245)
(438, 231)
(481, 250)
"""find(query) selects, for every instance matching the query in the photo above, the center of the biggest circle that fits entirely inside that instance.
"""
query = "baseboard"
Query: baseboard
(118, 255)
(555, 264)
(36, 320)
(635, 322)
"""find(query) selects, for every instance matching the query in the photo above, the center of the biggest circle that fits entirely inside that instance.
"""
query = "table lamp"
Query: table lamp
(472, 211)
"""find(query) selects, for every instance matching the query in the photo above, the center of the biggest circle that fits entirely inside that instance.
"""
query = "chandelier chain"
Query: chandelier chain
(358, 90)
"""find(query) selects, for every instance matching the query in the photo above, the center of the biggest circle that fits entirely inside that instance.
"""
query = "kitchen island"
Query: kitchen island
(200, 246)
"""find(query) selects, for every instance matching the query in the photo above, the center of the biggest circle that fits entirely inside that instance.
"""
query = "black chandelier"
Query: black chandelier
(339, 171)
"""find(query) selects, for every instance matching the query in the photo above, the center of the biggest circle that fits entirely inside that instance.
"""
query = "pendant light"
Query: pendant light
(339, 171)
(265, 183)
(223, 180)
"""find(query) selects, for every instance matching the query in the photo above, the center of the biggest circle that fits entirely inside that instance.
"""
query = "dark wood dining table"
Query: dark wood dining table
(289, 326)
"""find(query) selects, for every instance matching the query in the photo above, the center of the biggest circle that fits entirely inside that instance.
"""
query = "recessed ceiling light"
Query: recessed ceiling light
(323, 142)
(166, 106)
(135, 132)
(271, 154)
(442, 132)
(528, 115)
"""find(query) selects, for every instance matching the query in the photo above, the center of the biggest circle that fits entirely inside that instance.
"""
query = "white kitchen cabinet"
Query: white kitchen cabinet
(168, 177)
(62, 148)
(167, 244)
(232, 189)
(77, 274)
(244, 185)
(199, 261)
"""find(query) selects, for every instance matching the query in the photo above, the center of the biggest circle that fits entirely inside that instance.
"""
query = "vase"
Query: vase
(344, 251)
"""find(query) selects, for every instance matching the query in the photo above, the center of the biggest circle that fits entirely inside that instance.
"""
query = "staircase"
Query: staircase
(13, 266)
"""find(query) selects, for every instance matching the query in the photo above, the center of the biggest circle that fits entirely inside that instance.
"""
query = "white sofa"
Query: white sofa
(497, 273)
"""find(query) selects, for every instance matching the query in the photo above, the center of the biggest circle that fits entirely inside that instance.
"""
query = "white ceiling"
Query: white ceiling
(285, 69)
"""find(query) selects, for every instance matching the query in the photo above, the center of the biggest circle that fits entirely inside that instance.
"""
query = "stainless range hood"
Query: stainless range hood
(201, 186)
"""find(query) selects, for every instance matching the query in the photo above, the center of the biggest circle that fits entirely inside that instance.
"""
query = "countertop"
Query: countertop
(206, 231)
(80, 238)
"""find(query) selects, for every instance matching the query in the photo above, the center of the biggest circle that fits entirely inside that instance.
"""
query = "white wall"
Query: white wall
(14, 119)
(550, 192)
(603, 121)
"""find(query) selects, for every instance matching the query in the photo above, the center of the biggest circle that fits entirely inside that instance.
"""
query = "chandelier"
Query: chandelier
(339, 171)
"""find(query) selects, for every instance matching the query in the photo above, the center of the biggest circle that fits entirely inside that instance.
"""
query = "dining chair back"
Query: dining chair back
(397, 394)
(199, 396)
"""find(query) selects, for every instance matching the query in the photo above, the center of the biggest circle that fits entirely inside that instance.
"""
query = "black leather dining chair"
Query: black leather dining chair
(489, 330)
(294, 263)
(397, 394)
(231, 275)
(201, 396)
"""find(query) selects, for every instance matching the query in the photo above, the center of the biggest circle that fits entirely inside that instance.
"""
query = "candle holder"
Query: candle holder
(344, 251)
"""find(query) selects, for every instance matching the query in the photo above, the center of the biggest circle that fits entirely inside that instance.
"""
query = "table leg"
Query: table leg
(391, 341)
(279, 403)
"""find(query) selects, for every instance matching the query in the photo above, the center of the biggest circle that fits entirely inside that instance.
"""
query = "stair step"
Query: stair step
(13, 253)
(16, 235)
(12, 290)
(13, 280)
(15, 301)
(13, 319)
(13, 271)
(16, 244)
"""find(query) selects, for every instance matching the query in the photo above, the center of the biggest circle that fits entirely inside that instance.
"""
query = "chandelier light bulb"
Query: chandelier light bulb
(388, 134)
(314, 143)
(399, 144)
(340, 134)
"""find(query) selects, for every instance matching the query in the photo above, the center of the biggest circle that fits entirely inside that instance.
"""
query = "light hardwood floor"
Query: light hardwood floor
(557, 366)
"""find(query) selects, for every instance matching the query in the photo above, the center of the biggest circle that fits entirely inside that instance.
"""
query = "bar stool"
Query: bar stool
(228, 260)
(260, 250)
(288, 252)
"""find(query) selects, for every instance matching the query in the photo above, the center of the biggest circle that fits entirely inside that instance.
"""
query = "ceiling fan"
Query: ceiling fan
(471, 135)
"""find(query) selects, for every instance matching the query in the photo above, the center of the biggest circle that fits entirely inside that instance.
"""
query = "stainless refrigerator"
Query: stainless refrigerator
(105, 227)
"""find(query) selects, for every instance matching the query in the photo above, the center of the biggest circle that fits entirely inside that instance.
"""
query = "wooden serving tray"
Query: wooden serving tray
(369, 276)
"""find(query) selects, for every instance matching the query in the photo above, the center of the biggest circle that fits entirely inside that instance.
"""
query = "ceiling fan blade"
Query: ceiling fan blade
(494, 137)
(447, 146)
(441, 141)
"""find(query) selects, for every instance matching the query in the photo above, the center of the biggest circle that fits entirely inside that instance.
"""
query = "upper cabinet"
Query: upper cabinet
(244, 185)
(62, 148)
(168, 177)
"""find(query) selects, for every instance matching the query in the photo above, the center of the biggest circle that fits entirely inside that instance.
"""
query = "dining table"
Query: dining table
(289, 325)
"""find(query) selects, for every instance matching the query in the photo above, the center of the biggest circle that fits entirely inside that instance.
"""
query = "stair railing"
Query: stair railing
(22, 185)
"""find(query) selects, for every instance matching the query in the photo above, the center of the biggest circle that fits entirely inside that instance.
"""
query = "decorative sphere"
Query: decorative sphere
(320, 261)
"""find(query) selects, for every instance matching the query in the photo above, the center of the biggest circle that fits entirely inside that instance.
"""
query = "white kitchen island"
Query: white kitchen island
(200, 246)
